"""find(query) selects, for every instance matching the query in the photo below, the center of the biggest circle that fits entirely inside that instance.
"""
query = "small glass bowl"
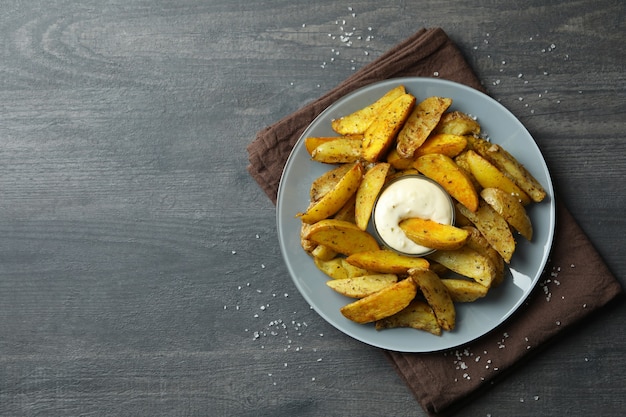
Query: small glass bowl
(382, 191)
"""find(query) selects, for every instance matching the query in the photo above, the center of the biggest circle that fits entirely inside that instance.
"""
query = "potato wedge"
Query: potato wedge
(359, 287)
(445, 143)
(493, 227)
(360, 120)
(449, 145)
(386, 262)
(423, 119)
(381, 304)
(324, 253)
(398, 174)
(457, 123)
(380, 135)
(463, 290)
(306, 244)
(398, 162)
(327, 181)
(477, 242)
(331, 267)
(508, 164)
(432, 234)
(333, 200)
(341, 236)
(454, 180)
(417, 315)
(466, 262)
(368, 190)
(488, 176)
(341, 150)
(461, 161)
(346, 212)
(437, 296)
(313, 142)
(511, 209)
(338, 268)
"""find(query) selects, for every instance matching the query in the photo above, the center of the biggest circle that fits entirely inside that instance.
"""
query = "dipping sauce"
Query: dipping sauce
(407, 197)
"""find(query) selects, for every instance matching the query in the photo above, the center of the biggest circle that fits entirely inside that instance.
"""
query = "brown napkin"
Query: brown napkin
(575, 283)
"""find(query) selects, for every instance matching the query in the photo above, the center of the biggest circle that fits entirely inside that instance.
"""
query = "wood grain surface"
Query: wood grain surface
(140, 272)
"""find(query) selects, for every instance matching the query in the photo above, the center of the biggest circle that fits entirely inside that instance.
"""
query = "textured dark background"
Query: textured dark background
(139, 265)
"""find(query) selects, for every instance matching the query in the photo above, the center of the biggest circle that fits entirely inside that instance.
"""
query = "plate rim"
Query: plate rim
(411, 80)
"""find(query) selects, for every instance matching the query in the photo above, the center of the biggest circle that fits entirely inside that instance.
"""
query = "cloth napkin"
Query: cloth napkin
(574, 284)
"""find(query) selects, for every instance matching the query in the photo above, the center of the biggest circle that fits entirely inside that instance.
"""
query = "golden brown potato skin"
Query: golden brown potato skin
(386, 262)
(381, 304)
(417, 315)
(510, 208)
(436, 295)
(450, 176)
(434, 235)
(360, 287)
(422, 120)
(332, 201)
(360, 120)
(380, 135)
(493, 227)
(508, 164)
(341, 236)
(373, 181)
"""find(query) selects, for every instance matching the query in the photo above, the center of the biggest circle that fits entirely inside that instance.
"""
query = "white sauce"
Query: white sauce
(406, 198)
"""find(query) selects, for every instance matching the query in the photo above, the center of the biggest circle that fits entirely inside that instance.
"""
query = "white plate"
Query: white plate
(473, 319)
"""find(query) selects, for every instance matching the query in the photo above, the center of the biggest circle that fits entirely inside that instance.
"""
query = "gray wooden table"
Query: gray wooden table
(140, 271)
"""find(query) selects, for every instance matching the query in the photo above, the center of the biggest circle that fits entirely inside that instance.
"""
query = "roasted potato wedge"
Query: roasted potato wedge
(432, 234)
(307, 245)
(508, 164)
(386, 262)
(437, 296)
(463, 290)
(461, 161)
(360, 120)
(313, 142)
(488, 176)
(338, 268)
(493, 227)
(417, 315)
(368, 190)
(327, 181)
(449, 145)
(511, 209)
(323, 252)
(423, 119)
(380, 135)
(341, 150)
(341, 236)
(347, 211)
(466, 262)
(381, 304)
(457, 123)
(398, 162)
(445, 143)
(332, 201)
(397, 174)
(362, 286)
(454, 180)
(477, 242)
